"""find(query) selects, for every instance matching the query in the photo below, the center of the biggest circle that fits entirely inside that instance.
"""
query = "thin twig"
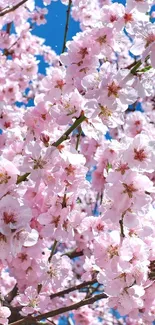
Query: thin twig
(8, 28)
(50, 321)
(121, 228)
(67, 25)
(64, 137)
(76, 287)
(7, 10)
(130, 66)
(92, 290)
(137, 65)
(8, 31)
(78, 138)
(74, 253)
(53, 250)
(22, 178)
(64, 203)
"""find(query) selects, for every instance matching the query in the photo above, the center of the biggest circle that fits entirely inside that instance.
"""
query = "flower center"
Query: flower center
(4, 177)
(33, 303)
(39, 163)
(52, 271)
(112, 251)
(128, 17)
(23, 257)
(122, 168)
(102, 39)
(139, 154)
(9, 217)
(70, 169)
(113, 89)
(60, 84)
(129, 189)
(104, 111)
(113, 18)
(83, 52)
(2, 238)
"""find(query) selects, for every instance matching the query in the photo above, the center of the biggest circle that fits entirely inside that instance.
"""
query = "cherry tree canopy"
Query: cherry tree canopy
(77, 166)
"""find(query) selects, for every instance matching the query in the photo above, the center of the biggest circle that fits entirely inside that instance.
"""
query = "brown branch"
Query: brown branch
(92, 290)
(78, 137)
(15, 312)
(8, 28)
(10, 296)
(131, 65)
(72, 307)
(22, 178)
(121, 228)
(67, 25)
(76, 287)
(73, 254)
(64, 137)
(62, 310)
(7, 10)
(53, 250)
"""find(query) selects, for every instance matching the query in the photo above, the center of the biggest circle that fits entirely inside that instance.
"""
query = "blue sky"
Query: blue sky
(53, 30)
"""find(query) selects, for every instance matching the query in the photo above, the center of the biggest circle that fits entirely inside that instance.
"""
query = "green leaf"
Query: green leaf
(145, 69)
(109, 166)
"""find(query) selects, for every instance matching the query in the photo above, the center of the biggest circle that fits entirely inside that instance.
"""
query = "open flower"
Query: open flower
(4, 314)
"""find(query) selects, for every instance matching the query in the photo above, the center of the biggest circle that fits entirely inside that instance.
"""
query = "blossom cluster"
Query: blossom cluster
(77, 165)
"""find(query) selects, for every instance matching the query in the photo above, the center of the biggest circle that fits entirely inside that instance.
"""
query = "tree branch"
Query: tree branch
(8, 28)
(64, 137)
(76, 287)
(62, 310)
(92, 290)
(22, 178)
(73, 254)
(53, 250)
(7, 10)
(78, 137)
(136, 66)
(67, 25)
(72, 307)
(121, 228)
(9, 297)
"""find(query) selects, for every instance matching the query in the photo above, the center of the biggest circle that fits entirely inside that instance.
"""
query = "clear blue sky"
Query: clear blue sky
(53, 30)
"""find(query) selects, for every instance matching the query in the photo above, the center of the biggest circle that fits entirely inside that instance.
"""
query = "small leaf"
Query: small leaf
(145, 69)
(109, 166)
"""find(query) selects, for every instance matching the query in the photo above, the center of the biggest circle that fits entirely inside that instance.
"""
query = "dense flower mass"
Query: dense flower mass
(77, 166)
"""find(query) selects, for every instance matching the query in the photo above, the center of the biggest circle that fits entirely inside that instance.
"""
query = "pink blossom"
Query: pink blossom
(77, 175)
(4, 314)
(8, 175)
(32, 302)
(139, 155)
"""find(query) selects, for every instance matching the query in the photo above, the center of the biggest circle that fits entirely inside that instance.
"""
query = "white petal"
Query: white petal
(31, 239)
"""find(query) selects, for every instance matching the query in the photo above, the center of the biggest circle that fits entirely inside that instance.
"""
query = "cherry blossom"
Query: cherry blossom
(77, 175)
(4, 314)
